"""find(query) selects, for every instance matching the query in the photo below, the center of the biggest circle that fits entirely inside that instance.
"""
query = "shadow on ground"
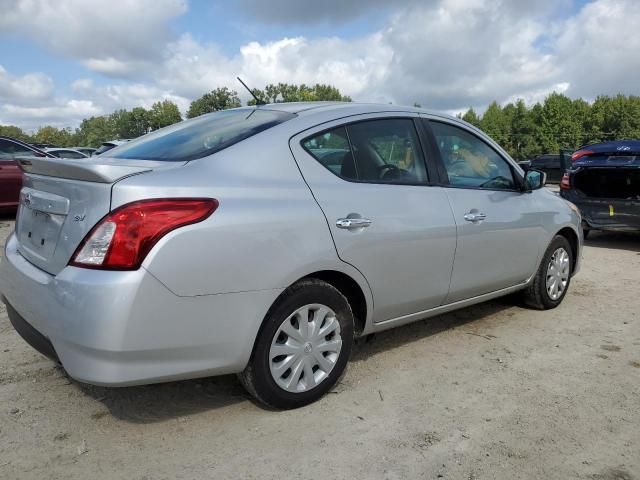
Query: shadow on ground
(160, 402)
(614, 240)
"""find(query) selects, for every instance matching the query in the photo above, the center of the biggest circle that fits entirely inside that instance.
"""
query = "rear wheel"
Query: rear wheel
(303, 346)
(551, 281)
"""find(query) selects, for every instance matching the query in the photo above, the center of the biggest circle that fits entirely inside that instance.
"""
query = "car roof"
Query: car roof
(613, 146)
(343, 108)
(57, 149)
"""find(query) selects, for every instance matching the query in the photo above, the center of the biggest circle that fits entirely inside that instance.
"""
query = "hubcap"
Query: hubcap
(305, 348)
(558, 273)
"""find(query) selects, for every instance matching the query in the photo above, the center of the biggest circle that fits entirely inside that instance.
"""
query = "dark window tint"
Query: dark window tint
(105, 147)
(375, 151)
(331, 149)
(469, 161)
(201, 136)
(67, 154)
(9, 149)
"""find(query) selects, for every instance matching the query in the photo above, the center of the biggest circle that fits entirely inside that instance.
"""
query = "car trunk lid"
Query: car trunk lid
(62, 200)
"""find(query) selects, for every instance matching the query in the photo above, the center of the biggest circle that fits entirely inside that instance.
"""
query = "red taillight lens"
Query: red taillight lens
(565, 183)
(580, 154)
(122, 239)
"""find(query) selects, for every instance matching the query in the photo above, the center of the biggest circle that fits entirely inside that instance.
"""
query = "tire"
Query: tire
(537, 294)
(298, 350)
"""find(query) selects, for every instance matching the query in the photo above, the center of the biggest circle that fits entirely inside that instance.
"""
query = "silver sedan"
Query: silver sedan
(263, 240)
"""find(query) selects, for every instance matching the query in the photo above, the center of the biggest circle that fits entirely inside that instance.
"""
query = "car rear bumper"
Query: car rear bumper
(606, 214)
(127, 328)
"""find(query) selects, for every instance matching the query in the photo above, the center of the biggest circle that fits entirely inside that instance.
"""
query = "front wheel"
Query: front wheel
(551, 282)
(303, 347)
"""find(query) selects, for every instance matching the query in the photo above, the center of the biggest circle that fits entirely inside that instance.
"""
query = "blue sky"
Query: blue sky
(61, 61)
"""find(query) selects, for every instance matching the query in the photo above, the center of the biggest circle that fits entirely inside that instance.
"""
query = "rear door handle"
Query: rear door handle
(474, 217)
(353, 223)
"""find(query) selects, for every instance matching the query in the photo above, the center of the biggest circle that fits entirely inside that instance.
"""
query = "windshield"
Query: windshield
(201, 136)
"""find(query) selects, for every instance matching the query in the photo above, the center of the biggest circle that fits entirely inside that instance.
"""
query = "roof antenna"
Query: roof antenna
(258, 101)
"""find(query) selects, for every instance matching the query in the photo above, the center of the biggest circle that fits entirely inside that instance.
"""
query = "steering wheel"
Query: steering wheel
(387, 167)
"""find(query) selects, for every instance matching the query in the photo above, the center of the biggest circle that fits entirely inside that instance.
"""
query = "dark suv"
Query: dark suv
(604, 182)
(10, 173)
(550, 163)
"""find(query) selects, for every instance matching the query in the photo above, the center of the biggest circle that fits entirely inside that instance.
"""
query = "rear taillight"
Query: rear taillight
(122, 239)
(565, 183)
(580, 154)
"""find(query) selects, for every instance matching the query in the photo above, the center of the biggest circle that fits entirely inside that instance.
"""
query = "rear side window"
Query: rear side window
(9, 149)
(373, 151)
(201, 136)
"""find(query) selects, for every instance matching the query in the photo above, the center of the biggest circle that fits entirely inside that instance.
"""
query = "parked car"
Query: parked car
(604, 182)
(225, 244)
(42, 146)
(88, 151)
(551, 164)
(10, 173)
(106, 146)
(65, 153)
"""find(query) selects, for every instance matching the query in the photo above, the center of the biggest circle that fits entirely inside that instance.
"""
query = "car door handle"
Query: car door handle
(353, 223)
(474, 217)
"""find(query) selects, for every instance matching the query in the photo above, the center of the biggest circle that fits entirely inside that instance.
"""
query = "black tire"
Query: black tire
(536, 295)
(257, 378)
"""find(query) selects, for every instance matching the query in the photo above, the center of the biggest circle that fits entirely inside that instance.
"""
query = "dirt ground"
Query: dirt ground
(490, 392)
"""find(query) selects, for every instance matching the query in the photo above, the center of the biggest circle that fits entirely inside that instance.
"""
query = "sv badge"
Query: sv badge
(79, 218)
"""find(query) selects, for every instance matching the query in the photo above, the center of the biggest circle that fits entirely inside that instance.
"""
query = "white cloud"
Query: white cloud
(29, 88)
(444, 54)
(106, 35)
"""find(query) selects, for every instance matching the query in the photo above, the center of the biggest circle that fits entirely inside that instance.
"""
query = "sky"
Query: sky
(65, 60)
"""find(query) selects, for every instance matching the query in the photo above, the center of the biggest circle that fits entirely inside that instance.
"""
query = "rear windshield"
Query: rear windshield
(201, 136)
(104, 147)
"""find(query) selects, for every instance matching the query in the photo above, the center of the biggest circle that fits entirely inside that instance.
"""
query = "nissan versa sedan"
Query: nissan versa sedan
(262, 240)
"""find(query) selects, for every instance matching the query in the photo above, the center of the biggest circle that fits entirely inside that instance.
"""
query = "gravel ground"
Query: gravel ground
(490, 392)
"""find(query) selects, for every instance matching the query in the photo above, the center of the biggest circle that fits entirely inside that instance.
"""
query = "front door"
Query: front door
(499, 226)
(369, 178)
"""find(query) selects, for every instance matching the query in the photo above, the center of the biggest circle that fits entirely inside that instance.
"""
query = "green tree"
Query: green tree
(15, 132)
(93, 131)
(218, 99)
(55, 136)
(285, 92)
(471, 117)
(163, 114)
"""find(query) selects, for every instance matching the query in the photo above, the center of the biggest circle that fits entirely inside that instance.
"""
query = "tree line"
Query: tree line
(138, 121)
(558, 122)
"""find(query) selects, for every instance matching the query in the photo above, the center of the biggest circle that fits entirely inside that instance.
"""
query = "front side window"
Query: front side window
(373, 151)
(469, 161)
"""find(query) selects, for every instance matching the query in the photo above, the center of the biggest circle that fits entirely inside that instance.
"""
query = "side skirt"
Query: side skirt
(396, 322)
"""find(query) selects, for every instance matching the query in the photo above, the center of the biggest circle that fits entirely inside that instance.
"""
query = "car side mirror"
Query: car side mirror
(533, 180)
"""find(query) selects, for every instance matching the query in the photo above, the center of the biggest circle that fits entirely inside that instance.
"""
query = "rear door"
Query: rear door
(369, 178)
(499, 227)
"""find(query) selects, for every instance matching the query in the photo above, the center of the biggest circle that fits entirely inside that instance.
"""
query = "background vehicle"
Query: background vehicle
(88, 151)
(10, 173)
(106, 146)
(550, 164)
(604, 182)
(42, 146)
(235, 245)
(65, 153)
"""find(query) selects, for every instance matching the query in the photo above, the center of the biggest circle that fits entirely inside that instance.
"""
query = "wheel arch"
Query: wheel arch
(572, 237)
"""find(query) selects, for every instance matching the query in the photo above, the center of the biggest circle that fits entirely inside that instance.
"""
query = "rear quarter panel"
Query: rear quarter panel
(267, 232)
